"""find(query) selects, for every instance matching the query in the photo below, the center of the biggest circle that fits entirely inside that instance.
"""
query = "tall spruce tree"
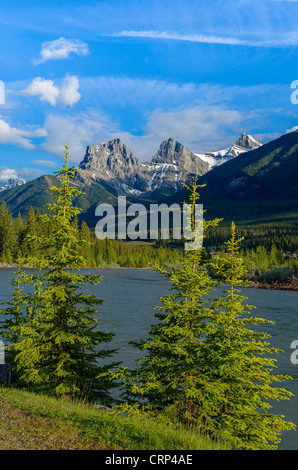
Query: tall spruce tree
(240, 363)
(202, 364)
(60, 345)
(170, 376)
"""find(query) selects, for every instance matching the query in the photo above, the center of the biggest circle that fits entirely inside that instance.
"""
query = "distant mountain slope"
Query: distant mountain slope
(256, 184)
(36, 193)
(269, 171)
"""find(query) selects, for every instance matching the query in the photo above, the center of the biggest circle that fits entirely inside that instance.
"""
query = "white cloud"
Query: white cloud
(67, 95)
(32, 132)
(193, 124)
(79, 130)
(6, 173)
(200, 128)
(43, 88)
(61, 49)
(289, 39)
(12, 135)
(25, 173)
(29, 173)
(202, 117)
(47, 163)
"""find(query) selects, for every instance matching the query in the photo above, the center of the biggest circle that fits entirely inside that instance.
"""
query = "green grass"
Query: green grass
(33, 421)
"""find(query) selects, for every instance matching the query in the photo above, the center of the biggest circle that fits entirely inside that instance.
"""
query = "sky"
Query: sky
(202, 72)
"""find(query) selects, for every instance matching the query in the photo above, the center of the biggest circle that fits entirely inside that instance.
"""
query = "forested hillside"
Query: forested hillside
(266, 251)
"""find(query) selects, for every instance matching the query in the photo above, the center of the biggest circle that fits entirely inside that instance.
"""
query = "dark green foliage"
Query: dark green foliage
(272, 168)
(264, 247)
(96, 253)
(13, 316)
(59, 345)
(205, 364)
(239, 363)
(7, 235)
(170, 374)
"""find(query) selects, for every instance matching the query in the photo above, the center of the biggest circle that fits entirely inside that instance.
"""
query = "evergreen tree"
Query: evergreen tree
(237, 357)
(19, 227)
(31, 229)
(170, 376)
(7, 235)
(60, 343)
(14, 314)
(86, 249)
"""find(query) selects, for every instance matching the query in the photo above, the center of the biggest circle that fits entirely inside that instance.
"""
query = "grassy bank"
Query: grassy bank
(32, 421)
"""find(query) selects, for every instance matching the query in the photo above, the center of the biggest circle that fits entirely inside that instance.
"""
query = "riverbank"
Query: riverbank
(14, 265)
(8, 265)
(290, 284)
(30, 421)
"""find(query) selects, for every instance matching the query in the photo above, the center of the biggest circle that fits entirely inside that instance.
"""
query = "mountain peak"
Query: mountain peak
(107, 155)
(247, 142)
(12, 183)
(171, 151)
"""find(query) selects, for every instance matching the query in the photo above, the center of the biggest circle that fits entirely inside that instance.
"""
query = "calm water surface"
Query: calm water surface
(130, 296)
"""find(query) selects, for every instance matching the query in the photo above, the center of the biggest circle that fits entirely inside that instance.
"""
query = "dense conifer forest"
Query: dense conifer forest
(269, 250)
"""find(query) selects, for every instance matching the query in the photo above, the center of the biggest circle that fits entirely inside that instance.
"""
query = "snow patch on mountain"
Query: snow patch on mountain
(244, 144)
(12, 183)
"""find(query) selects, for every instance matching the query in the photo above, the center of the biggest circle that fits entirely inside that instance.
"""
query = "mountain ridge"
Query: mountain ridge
(172, 166)
(258, 182)
(115, 164)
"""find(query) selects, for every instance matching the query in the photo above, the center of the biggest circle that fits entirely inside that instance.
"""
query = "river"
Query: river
(130, 295)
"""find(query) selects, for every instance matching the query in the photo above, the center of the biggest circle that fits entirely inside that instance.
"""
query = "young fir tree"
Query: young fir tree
(60, 346)
(240, 365)
(14, 315)
(170, 376)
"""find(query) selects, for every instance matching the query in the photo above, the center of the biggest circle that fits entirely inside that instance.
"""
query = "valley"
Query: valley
(251, 184)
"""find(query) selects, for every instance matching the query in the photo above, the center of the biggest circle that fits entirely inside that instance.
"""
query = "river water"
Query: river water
(130, 296)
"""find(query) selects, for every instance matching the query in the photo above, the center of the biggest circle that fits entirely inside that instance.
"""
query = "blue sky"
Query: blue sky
(199, 71)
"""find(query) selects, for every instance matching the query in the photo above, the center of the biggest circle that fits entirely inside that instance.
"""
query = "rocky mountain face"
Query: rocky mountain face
(174, 165)
(12, 183)
(114, 164)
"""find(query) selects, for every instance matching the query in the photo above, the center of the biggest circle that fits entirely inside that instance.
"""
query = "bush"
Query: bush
(283, 273)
